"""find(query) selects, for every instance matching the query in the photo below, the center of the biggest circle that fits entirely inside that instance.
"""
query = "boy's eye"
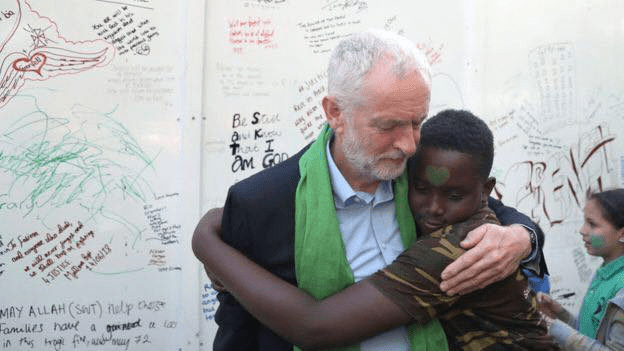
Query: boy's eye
(420, 188)
(455, 197)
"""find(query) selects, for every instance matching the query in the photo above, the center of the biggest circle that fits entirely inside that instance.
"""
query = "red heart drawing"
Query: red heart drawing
(34, 63)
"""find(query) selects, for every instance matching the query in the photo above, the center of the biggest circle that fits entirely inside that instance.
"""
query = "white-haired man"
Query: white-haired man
(337, 211)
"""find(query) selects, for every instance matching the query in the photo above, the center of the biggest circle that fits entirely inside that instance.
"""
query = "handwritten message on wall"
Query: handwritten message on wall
(127, 32)
(118, 324)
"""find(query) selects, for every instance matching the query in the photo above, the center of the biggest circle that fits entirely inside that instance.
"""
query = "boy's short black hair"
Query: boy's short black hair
(459, 130)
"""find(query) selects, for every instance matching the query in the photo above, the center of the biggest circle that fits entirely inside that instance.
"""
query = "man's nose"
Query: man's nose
(408, 139)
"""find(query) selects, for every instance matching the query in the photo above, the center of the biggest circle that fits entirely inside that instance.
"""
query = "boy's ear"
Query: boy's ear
(488, 186)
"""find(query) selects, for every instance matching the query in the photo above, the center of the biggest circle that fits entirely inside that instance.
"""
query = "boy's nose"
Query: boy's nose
(436, 206)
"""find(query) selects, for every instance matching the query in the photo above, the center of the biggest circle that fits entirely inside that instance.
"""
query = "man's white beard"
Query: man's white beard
(366, 165)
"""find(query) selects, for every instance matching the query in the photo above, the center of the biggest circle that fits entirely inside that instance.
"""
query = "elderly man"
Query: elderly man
(337, 211)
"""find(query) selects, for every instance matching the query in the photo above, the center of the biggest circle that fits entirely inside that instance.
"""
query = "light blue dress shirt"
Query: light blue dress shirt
(372, 240)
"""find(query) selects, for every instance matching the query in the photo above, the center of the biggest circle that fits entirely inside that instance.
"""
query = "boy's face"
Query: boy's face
(445, 188)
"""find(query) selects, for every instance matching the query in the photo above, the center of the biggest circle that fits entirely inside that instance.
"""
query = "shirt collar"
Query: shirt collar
(611, 268)
(344, 194)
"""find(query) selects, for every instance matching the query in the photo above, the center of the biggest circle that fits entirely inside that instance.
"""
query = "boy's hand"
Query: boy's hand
(494, 252)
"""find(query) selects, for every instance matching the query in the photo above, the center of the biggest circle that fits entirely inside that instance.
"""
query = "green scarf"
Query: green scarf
(320, 260)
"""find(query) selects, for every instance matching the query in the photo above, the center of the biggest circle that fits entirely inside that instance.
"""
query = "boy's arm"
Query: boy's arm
(237, 328)
(494, 252)
(406, 291)
(352, 315)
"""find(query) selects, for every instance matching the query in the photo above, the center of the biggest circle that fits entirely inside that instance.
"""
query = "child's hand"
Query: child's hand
(548, 306)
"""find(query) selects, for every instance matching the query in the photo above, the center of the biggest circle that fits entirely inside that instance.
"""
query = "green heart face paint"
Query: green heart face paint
(596, 241)
(437, 175)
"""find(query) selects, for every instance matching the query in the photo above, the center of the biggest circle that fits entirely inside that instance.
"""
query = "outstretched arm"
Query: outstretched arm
(494, 252)
(554, 309)
(354, 314)
(562, 327)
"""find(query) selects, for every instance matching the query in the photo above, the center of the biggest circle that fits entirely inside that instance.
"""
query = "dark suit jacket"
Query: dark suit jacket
(259, 221)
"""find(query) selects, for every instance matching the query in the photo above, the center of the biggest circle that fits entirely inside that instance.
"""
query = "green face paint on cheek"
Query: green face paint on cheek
(597, 241)
(437, 175)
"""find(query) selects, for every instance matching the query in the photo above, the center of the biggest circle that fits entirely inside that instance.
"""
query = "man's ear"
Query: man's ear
(333, 113)
(488, 186)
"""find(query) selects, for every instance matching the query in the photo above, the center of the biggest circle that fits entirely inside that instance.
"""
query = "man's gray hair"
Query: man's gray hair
(356, 55)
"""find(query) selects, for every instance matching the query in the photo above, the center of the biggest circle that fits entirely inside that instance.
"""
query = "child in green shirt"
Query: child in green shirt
(600, 323)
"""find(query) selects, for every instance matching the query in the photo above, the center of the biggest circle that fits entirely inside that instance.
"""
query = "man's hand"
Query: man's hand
(209, 225)
(494, 252)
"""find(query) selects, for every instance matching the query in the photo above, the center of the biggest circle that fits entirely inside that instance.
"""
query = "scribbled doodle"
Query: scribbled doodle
(31, 48)
(85, 166)
(83, 159)
(142, 49)
(554, 187)
(39, 37)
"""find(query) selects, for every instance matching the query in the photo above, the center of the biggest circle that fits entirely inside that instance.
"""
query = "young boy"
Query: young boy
(449, 187)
